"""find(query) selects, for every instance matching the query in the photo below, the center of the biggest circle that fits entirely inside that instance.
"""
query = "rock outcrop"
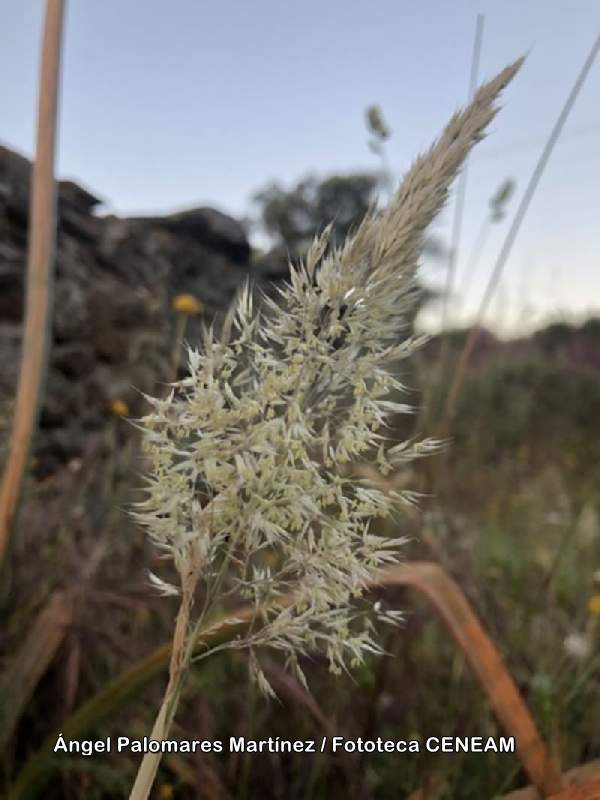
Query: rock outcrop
(112, 338)
(115, 281)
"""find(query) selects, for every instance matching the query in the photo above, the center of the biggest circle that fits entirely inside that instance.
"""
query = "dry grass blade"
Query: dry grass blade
(582, 783)
(19, 680)
(431, 581)
(588, 790)
(487, 665)
(42, 235)
(287, 684)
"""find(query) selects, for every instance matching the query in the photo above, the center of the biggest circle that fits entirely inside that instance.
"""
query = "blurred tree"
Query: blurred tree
(292, 217)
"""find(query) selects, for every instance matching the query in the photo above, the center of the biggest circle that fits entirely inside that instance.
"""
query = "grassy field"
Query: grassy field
(512, 512)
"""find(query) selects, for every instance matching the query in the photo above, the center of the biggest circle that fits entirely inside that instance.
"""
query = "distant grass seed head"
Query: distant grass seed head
(274, 407)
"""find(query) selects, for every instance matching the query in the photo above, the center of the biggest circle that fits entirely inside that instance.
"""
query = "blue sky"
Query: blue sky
(170, 105)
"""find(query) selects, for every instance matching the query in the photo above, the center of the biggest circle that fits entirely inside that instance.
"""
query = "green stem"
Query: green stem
(40, 767)
(177, 670)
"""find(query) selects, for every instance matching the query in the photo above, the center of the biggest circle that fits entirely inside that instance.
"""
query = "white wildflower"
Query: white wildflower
(577, 645)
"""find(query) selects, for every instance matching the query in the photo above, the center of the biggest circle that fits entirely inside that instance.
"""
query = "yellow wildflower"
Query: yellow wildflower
(187, 304)
(166, 791)
(119, 407)
(594, 604)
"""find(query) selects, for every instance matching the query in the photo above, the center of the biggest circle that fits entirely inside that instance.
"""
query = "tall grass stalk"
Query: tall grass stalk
(246, 491)
(461, 191)
(494, 279)
(40, 262)
(496, 213)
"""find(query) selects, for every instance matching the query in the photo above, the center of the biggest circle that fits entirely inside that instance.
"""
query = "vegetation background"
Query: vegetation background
(511, 509)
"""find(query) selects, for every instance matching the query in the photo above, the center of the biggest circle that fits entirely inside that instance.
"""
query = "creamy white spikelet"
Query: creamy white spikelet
(246, 455)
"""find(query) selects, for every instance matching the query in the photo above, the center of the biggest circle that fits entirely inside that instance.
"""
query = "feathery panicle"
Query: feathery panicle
(245, 453)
